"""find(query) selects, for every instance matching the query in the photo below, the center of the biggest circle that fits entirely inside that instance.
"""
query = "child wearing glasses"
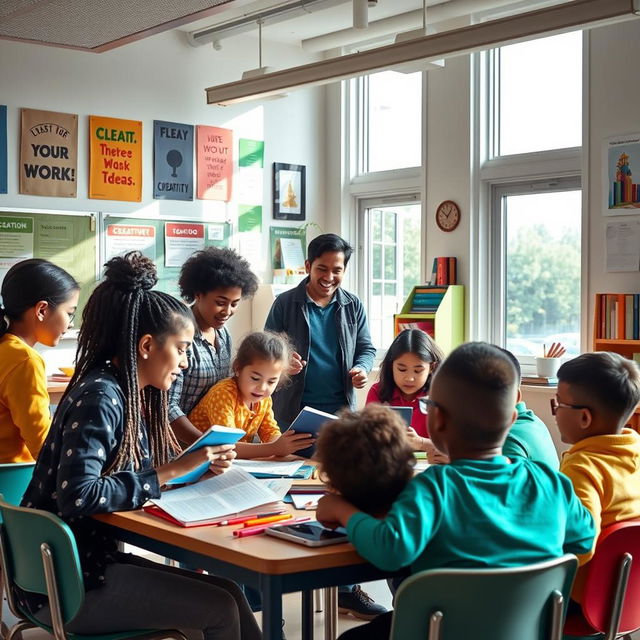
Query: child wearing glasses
(482, 509)
(597, 393)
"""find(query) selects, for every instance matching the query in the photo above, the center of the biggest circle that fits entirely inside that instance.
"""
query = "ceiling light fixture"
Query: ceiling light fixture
(555, 19)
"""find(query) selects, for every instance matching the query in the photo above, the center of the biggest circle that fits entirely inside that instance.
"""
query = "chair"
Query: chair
(39, 555)
(611, 596)
(526, 603)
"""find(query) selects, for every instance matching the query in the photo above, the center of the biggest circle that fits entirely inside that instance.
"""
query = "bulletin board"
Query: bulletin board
(69, 240)
(152, 236)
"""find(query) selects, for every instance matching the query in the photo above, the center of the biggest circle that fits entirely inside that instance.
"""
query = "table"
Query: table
(55, 390)
(272, 566)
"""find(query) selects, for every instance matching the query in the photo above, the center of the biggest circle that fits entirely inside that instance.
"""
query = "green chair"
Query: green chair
(39, 555)
(516, 603)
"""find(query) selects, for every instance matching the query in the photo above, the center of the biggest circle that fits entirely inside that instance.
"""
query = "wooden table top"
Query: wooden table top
(261, 553)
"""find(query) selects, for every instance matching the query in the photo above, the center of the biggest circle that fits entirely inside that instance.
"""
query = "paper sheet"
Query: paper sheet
(623, 245)
(269, 466)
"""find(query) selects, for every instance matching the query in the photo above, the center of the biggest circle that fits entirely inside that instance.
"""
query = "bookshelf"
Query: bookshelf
(445, 325)
(610, 319)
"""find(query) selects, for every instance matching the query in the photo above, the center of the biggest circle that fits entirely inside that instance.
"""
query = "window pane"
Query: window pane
(543, 271)
(394, 267)
(376, 225)
(395, 120)
(541, 94)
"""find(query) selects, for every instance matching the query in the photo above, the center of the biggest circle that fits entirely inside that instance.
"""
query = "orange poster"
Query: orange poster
(115, 159)
(215, 162)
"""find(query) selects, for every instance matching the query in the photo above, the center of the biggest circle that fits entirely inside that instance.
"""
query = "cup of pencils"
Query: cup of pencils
(547, 366)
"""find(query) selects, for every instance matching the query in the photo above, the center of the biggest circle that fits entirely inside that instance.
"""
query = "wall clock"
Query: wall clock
(448, 215)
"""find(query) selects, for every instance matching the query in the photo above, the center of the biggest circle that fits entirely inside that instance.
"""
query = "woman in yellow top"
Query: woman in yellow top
(244, 401)
(38, 304)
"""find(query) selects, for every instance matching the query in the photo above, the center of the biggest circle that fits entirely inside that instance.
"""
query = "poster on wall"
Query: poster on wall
(621, 157)
(172, 161)
(16, 241)
(287, 248)
(214, 152)
(250, 177)
(115, 159)
(3, 148)
(121, 238)
(48, 153)
(181, 239)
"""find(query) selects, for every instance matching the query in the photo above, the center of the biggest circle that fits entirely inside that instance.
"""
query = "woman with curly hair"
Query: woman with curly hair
(213, 282)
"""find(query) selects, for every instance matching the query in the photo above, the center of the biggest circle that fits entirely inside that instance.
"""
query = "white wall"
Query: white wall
(164, 78)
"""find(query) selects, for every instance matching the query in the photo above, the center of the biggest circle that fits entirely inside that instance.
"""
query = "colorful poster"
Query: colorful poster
(115, 159)
(3, 148)
(621, 189)
(249, 217)
(215, 162)
(181, 239)
(251, 153)
(172, 161)
(16, 239)
(287, 248)
(48, 153)
(250, 177)
(121, 238)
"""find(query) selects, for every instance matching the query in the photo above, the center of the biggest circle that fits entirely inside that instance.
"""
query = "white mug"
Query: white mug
(547, 367)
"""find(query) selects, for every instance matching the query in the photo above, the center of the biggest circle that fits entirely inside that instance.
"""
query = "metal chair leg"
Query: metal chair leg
(317, 597)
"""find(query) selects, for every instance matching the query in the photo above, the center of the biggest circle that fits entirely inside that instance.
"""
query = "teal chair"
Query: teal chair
(516, 603)
(39, 555)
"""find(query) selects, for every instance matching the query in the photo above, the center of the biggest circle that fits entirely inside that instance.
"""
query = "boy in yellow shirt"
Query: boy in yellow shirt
(597, 393)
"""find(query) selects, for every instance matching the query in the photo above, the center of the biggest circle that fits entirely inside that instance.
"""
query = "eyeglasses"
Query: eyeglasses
(425, 403)
(556, 404)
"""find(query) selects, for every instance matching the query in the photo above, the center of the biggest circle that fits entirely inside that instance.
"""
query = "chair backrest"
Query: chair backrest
(14, 479)
(602, 574)
(501, 604)
(23, 533)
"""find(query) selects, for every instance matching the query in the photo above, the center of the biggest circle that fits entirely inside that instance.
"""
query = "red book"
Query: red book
(452, 270)
(621, 317)
(442, 277)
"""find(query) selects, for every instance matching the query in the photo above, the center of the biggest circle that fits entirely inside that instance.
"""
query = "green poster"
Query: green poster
(16, 237)
(251, 153)
(287, 247)
(249, 217)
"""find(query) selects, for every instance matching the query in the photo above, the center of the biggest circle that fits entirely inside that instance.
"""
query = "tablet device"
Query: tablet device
(406, 413)
(311, 534)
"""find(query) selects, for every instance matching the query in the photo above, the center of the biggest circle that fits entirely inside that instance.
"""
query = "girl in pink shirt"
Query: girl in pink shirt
(405, 376)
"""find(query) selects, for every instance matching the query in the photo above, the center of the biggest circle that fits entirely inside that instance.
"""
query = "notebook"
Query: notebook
(213, 436)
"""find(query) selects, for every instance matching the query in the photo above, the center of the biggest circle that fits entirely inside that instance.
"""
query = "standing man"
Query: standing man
(334, 353)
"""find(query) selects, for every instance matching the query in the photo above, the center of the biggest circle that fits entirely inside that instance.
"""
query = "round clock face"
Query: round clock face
(447, 215)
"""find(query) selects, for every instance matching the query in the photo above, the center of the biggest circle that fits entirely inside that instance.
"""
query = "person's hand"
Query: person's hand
(219, 459)
(416, 442)
(358, 377)
(334, 511)
(296, 364)
(290, 442)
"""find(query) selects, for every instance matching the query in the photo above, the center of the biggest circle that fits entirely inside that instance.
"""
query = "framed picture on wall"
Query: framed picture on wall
(288, 191)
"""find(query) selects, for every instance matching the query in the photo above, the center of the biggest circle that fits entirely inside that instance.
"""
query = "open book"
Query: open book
(225, 495)
(213, 436)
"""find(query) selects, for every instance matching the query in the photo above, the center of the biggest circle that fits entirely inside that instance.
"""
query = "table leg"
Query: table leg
(330, 613)
(271, 587)
(307, 615)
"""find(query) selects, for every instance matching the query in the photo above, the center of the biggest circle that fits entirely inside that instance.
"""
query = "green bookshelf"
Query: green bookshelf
(445, 325)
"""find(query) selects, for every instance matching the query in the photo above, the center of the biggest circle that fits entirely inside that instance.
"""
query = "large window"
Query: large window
(538, 95)
(391, 121)
(539, 265)
(391, 261)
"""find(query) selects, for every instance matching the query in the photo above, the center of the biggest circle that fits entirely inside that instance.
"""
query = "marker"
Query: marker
(250, 516)
(267, 520)
(261, 528)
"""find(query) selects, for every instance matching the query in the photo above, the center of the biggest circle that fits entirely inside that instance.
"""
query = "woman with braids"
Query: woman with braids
(110, 448)
(38, 304)
(213, 282)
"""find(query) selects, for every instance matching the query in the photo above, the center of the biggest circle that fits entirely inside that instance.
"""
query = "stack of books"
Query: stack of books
(540, 380)
(619, 316)
(427, 299)
(444, 270)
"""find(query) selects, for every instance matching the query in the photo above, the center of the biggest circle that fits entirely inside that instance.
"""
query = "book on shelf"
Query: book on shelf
(428, 326)
(540, 380)
(214, 436)
(228, 494)
(617, 316)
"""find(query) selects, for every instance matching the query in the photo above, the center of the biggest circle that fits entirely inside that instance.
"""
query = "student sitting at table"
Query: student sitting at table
(597, 393)
(38, 304)
(405, 375)
(482, 509)
(244, 401)
(110, 448)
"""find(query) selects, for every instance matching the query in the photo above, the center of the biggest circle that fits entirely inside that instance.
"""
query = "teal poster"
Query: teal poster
(172, 161)
(3, 148)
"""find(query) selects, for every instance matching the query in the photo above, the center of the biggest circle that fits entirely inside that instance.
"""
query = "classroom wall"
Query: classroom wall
(163, 77)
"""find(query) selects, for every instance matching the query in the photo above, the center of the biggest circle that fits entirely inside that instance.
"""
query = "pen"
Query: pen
(261, 528)
(267, 520)
(250, 516)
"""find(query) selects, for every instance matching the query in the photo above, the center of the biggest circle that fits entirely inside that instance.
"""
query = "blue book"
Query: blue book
(310, 420)
(212, 437)
(303, 473)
